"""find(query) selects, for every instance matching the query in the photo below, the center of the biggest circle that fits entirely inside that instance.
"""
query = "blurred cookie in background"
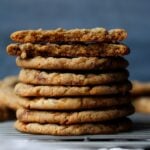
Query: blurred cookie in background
(141, 96)
(8, 101)
(5, 113)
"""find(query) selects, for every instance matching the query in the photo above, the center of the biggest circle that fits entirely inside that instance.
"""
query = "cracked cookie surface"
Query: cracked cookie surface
(72, 35)
(73, 103)
(79, 63)
(39, 77)
(66, 118)
(110, 127)
(28, 90)
(29, 50)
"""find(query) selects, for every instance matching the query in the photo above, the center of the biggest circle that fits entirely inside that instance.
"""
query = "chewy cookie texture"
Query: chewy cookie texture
(72, 82)
(72, 35)
(65, 118)
(73, 103)
(29, 50)
(110, 127)
(28, 90)
(32, 76)
(77, 63)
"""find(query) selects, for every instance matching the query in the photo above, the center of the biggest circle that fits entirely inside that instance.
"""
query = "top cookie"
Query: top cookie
(72, 35)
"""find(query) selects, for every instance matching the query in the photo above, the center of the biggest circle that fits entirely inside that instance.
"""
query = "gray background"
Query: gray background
(133, 15)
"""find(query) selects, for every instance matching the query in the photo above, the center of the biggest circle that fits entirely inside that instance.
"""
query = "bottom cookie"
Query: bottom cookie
(110, 127)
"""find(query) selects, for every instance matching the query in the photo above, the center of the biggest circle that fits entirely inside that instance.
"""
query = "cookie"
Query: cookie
(70, 103)
(109, 127)
(55, 91)
(62, 78)
(142, 104)
(72, 35)
(66, 118)
(79, 63)
(9, 81)
(5, 113)
(7, 96)
(29, 50)
(140, 88)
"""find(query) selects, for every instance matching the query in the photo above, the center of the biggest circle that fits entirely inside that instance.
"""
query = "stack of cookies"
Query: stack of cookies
(72, 82)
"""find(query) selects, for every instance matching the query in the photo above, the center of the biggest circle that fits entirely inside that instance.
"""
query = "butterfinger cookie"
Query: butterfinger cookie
(110, 127)
(37, 77)
(72, 35)
(66, 118)
(7, 96)
(29, 50)
(79, 63)
(55, 91)
(140, 88)
(70, 103)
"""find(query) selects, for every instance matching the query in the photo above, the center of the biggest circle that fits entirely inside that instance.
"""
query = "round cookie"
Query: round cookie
(111, 127)
(37, 77)
(29, 50)
(79, 63)
(70, 103)
(22, 89)
(66, 118)
(71, 35)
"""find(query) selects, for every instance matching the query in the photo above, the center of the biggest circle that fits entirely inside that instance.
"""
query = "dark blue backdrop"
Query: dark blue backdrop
(133, 15)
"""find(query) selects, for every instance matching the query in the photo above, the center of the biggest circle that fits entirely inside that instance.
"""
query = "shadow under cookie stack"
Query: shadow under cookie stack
(73, 82)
